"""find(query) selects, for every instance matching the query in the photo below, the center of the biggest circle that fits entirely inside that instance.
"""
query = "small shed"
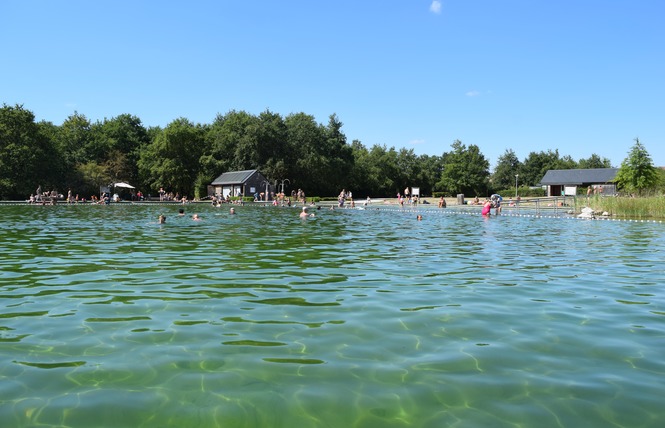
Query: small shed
(566, 181)
(240, 183)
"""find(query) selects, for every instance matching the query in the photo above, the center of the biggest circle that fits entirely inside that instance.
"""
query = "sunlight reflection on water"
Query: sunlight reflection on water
(352, 318)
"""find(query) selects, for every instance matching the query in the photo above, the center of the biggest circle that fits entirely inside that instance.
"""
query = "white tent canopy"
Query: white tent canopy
(125, 185)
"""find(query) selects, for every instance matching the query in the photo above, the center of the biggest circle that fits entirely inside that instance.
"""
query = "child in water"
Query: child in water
(487, 207)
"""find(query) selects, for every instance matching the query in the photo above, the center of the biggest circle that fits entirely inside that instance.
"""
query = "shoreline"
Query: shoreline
(427, 202)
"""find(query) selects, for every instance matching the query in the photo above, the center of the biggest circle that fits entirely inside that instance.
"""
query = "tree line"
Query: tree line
(185, 157)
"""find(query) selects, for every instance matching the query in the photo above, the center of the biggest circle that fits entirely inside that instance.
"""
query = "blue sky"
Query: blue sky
(580, 76)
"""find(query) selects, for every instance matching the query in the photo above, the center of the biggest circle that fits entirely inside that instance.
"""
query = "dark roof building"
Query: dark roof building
(579, 177)
(566, 181)
(240, 183)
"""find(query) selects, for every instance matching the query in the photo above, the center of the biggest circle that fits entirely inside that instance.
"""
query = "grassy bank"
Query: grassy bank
(646, 207)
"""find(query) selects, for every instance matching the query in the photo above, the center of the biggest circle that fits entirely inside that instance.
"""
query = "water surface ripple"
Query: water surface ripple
(353, 318)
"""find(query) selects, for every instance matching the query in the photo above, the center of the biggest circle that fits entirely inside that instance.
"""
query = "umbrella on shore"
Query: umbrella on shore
(124, 185)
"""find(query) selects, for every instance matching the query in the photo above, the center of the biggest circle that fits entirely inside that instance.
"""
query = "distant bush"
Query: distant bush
(439, 194)
(244, 198)
(524, 192)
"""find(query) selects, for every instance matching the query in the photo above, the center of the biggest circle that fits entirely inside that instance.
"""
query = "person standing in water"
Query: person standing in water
(487, 207)
(496, 201)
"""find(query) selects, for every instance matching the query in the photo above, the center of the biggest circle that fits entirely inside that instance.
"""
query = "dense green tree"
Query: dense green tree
(221, 142)
(389, 175)
(24, 153)
(117, 167)
(338, 155)
(246, 155)
(171, 161)
(637, 173)
(185, 158)
(536, 165)
(363, 177)
(408, 169)
(53, 171)
(240, 141)
(594, 161)
(75, 141)
(97, 145)
(508, 165)
(465, 170)
(567, 162)
(274, 153)
(153, 132)
(91, 176)
(383, 171)
(660, 182)
(305, 138)
(123, 138)
(309, 155)
(429, 174)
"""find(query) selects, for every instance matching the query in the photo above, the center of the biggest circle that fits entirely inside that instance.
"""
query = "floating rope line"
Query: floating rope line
(449, 211)
(409, 210)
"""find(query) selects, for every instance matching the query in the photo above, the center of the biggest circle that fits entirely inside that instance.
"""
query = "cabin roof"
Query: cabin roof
(234, 177)
(579, 176)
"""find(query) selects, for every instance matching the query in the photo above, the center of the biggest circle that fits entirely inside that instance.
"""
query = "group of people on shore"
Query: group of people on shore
(408, 197)
(52, 197)
(494, 201)
(218, 200)
(46, 198)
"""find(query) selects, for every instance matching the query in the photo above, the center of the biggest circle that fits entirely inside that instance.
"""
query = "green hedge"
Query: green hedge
(439, 194)
(244, 198)
(524, 191)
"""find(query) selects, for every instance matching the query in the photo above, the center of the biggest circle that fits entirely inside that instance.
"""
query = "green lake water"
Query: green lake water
(354, 318)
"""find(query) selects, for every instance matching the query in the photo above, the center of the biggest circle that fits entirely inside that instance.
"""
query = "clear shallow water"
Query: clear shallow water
(351, 319)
